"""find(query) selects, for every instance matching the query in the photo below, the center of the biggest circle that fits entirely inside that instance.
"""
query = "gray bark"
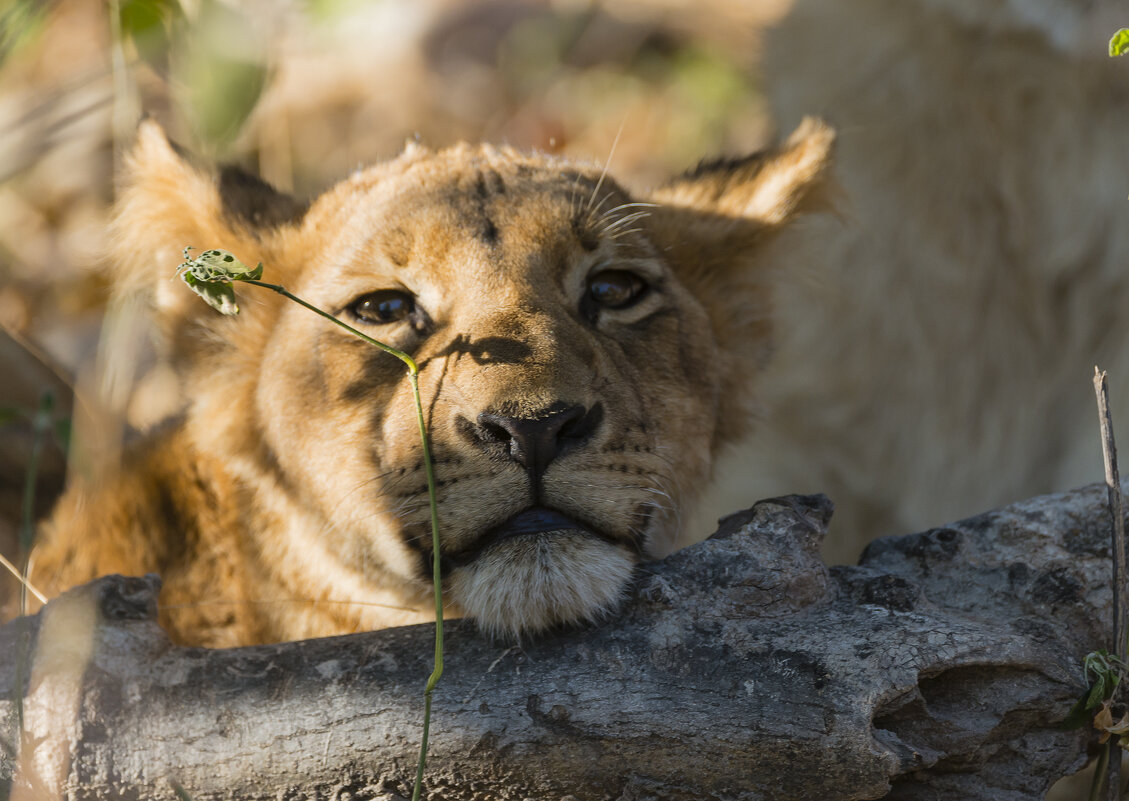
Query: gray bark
(941, 667)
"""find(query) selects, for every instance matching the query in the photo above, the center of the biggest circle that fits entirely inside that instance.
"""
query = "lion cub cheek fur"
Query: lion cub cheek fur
(289, 500)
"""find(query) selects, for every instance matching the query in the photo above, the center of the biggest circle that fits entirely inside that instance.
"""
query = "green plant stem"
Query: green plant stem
(40, 425)
(436, 571)
(413, 369)
(437, 581)
(1100, 773)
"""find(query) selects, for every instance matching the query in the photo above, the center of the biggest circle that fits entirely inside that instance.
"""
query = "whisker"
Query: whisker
(618, 221)
(408, 505)
(234, 602)
(362, 485)
(632, 205)
(572, 205)
(595, 210)
(607, 164)
(604, 485)
(625, 220)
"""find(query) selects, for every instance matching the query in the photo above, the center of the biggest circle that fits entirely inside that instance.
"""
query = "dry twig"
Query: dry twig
(1113, 487)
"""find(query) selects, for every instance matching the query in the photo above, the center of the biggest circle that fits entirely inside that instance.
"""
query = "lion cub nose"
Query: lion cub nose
(535, 441)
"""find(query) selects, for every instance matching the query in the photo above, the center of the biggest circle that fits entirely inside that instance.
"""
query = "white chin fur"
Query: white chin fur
(532, 582)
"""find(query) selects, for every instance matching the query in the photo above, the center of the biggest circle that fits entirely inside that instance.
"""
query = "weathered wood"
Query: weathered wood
(741, 668)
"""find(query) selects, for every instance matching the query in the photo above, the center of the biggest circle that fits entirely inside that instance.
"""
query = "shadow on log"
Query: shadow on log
(941, 667)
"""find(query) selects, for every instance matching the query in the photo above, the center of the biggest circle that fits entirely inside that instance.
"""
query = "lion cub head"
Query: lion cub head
(583, 353)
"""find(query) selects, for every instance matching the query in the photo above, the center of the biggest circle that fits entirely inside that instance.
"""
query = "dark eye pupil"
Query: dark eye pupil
(615, 289)
(388, 306)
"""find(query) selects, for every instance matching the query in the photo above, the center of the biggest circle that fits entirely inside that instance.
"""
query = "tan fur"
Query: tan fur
(290, 500)
(936, 360)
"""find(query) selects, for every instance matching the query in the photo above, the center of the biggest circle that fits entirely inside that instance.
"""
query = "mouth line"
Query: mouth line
(530, 521)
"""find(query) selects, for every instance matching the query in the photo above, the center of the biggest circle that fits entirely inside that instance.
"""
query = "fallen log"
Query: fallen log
(940, 667)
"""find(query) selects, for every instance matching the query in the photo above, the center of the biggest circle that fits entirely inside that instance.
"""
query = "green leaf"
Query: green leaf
(210, 275)
(1104, 673)
(1119, 44)
(1079, 714)
(1098, 691)
(217, 294)
(218, 265)
(1097, 663)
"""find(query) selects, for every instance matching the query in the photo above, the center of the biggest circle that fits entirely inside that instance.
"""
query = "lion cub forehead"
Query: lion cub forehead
(467, 157)
(482, 196)
(474, 170)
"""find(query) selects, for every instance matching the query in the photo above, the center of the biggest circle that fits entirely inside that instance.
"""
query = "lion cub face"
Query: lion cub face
(565, 372)
(579, 350)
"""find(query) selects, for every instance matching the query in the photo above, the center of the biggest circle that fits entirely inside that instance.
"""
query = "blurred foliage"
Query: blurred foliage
(328, 10)
(221, 65)
(215, 60)
(149, 24)
(547, 58)
(20, 22)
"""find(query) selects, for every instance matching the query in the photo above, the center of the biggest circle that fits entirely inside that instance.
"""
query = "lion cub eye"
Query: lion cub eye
(383, 307)
(615, 289)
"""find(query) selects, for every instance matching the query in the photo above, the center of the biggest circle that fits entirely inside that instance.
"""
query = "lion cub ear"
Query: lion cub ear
(713, 213)
(714, 224)
(167, 202)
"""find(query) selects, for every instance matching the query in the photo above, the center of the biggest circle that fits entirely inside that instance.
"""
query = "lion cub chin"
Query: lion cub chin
(583, 351)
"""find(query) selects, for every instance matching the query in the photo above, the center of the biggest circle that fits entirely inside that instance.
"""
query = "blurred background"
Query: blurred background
(962, 381)
(301, 92)
(936, 338)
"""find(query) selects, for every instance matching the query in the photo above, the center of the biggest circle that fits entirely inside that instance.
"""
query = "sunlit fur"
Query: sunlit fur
(543, 580)
(289, 500)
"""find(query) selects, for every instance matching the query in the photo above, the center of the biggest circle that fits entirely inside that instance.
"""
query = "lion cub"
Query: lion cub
(584, 351)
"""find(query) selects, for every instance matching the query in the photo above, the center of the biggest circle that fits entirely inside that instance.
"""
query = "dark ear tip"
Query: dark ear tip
(813, 136)
(252, 201)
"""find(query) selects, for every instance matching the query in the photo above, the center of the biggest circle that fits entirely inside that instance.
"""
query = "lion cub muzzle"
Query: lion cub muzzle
(506, 577)
(534, 442)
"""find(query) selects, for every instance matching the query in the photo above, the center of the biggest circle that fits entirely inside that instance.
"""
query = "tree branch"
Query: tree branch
(940, 667)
